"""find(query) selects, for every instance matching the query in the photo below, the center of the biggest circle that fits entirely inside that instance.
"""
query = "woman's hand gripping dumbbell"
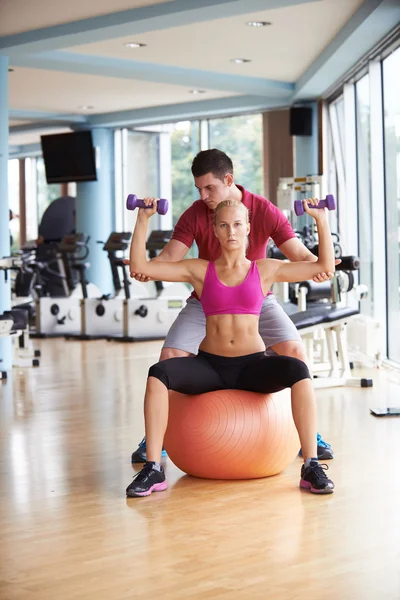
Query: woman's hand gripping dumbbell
(133, 202)
(309, 205)
(147, 207)
(328, 202)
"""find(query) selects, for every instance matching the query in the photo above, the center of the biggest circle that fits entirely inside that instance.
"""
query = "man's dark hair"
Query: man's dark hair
(212, 161)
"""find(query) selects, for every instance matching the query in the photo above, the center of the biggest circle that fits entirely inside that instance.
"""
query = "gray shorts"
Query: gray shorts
(189, 328)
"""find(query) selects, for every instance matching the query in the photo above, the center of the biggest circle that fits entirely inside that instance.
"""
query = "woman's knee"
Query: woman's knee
(296, 370)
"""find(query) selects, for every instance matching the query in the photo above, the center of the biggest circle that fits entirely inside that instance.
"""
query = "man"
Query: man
(213, 177)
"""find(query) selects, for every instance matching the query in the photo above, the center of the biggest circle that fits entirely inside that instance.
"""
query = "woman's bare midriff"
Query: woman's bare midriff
(232, 335)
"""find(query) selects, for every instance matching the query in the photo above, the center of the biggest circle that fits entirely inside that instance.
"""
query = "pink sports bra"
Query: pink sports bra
(243, 299)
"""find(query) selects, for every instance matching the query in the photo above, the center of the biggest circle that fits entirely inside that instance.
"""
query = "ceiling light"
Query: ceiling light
(258, 23)
(239, 61)
(86, 107)
(197, 91)
(134, 45)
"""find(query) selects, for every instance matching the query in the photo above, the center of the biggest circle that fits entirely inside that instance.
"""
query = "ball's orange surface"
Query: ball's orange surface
(231, 434)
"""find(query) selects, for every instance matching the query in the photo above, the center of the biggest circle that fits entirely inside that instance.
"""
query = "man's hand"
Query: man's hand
(137, 276)
(321, 277)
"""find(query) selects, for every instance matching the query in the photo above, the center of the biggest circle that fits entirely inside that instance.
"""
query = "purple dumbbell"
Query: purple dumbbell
(132, 202)
(328, 203)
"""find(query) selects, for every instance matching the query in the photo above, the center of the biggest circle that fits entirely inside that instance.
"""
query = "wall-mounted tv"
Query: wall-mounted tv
(69, 157)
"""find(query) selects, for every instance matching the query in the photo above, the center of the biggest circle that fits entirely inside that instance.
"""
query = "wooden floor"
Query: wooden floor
(69, 533)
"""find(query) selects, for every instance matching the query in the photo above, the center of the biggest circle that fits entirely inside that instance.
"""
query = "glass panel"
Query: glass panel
(241, 138)
(13, 202)
(391, 105)
(142, 170)
(184, 147)
(364, 191)
(45, 193)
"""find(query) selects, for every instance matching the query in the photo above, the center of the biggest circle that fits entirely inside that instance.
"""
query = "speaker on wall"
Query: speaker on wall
(300, 120)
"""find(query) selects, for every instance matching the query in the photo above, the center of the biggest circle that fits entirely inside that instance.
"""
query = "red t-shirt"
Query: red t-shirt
(266, 220)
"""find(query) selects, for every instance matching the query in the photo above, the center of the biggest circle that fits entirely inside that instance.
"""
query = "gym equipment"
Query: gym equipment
(133, 202)
(103, 317)
(231, 434)
(328, 203)
(325, 328)
(59, 316)
(151, 318)
(15, 323)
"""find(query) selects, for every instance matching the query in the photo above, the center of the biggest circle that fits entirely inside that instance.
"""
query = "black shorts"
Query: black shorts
(209, 372)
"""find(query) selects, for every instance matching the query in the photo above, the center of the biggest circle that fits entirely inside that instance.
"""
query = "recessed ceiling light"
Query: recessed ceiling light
(197, 91)
(239, 61)
(134, 45)
(86, 107)
(258, 23)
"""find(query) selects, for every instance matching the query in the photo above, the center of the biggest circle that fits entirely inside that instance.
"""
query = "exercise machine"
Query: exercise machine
(60, 316)
(15, 323)
(151, 318)
(103, 317)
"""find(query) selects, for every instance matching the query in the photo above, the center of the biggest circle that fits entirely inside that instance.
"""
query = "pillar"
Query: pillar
(95, 212)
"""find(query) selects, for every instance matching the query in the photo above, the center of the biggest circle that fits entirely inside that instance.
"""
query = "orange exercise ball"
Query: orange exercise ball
(231, 434)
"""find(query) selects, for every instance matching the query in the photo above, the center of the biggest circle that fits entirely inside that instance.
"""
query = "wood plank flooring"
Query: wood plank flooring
(69, 533)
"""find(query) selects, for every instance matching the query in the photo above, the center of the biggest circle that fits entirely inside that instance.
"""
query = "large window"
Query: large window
(142, 170)
(364, 190)
(13, 202)
(185, 144)
(391, 99)
(45, 193)
(241, 138)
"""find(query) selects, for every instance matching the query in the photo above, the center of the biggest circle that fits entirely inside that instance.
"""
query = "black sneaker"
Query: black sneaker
(313, 478)
(145, 482)
(139, 456)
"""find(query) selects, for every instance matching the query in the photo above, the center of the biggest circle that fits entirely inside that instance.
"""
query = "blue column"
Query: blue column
(95, 214)
(5, 294)
(306, 148)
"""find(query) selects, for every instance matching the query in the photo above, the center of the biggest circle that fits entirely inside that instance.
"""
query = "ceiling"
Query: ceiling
(70, 63)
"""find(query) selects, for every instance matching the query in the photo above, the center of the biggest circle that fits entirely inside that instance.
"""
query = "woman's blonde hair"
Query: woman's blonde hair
(225, 203)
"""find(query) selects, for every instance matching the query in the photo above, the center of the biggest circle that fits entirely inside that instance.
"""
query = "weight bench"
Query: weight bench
(324, 328)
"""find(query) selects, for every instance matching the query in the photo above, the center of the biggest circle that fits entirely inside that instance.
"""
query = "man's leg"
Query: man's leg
(183, 340)
(281, 337)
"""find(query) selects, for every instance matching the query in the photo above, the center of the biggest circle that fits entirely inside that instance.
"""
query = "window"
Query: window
(391, 106)
(142, 168)
(185, 144)
(241, 138)
(364, 191)
(45, 193)
(13, 202)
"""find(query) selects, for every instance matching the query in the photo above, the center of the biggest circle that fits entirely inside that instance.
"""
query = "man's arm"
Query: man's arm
(296, 251)
(173, 251)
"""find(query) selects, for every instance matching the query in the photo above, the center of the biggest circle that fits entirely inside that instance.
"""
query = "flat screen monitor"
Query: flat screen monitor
(69, 157)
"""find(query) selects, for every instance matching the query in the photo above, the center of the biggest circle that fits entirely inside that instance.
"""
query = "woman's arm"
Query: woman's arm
(184, 270)
(277, 270)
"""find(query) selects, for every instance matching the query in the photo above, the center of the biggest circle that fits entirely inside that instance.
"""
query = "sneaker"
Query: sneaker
(139, 456)
(324, 450)
(145, 482)
(313, 478)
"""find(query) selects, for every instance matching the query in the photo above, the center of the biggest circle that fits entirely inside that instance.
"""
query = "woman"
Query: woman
(231, 355)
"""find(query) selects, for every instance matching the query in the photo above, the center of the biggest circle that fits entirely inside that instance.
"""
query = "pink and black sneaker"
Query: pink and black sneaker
(148, 480)
(313, 478)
